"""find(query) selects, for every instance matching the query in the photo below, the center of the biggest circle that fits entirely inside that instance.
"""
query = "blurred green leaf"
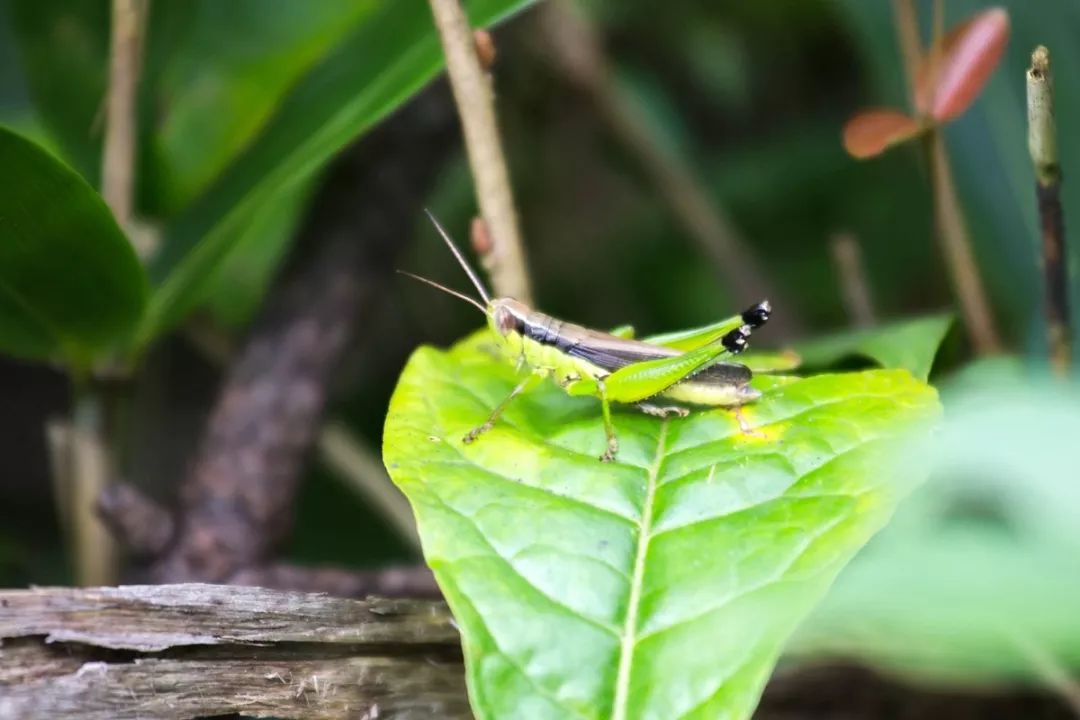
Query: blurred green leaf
(69, 280)
(225, 77)
(977, 579)
(240, 282)
(659, 586)
(909, 344)
(64, 46)
(388, 57)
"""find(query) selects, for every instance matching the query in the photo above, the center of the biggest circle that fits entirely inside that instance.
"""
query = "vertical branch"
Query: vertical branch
(362, 469)
(92, 443)
(952, 230)
(955, 241)
(907, 32)
(92, 465)
(125, 56)
(847, 257)
(1042, 144)
(475, 101)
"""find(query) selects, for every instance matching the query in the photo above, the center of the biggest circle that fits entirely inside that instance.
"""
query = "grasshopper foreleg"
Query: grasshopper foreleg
(662, 411)
(494, 416)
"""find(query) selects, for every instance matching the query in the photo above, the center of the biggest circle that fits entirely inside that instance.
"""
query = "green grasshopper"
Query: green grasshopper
(684, 367)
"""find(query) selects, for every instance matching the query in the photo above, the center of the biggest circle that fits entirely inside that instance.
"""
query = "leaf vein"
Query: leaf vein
(629, 642)
(513, 569)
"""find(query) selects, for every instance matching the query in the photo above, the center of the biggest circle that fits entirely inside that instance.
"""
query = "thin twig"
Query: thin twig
(1050, 669)
(92, 439)
(92, 464)
(125, 61)
(959, 256)
(952, 230)
(1042, 143)
(475, 101)
(907, 35)
(362, 470)
(847, 257)
(578, 53)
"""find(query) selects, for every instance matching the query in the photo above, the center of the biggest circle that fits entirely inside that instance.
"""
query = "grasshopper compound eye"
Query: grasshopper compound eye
(504, 320)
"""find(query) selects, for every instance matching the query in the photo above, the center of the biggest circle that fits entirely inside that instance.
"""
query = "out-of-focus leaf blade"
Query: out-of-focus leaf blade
(977, 578)
(871, 132)
(379, 66)
(662, 585)
(64, 46)
(69, 281)
(225, 77)
(244, 275)
(909, 344)
(950, 77)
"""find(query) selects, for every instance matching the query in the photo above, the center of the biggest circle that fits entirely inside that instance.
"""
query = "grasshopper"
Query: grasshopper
(684, 367)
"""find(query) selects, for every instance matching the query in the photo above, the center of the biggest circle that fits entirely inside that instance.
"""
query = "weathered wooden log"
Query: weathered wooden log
(192, 650)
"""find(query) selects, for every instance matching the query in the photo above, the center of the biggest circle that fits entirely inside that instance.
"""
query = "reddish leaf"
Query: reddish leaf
(873, 131)
(965, 59)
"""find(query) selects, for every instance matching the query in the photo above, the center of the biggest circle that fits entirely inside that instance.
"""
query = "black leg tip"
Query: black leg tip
(757, 315)
(735, 341)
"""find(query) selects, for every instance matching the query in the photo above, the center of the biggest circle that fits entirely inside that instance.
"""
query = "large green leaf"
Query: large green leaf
(908, 344)
(664, 585)
(69, 280)
(391, 55)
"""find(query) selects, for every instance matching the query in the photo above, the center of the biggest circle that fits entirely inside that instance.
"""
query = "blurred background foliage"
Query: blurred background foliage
(243, 102)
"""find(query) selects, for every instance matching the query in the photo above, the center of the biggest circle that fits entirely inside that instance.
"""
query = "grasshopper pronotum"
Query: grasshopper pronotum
(684, 367)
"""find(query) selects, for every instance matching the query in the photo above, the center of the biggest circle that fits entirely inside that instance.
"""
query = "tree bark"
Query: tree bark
(187, 651)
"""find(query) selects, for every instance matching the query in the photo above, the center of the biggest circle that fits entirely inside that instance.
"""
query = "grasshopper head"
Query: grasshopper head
(506, 315)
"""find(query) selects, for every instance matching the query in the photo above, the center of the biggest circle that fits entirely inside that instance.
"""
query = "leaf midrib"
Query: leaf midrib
(629, 635)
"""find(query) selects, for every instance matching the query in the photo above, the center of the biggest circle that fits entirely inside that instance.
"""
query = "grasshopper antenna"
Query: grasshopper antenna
(460, 258)
(455, 293)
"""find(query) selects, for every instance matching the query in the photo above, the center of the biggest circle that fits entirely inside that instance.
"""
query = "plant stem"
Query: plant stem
(847, 257)
(91, 442)
(118, 162)
(1042, 144)
(949, 219)
(955, 242)
(363, 472)
(474, 97)
(907, 32)
(91, 465)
